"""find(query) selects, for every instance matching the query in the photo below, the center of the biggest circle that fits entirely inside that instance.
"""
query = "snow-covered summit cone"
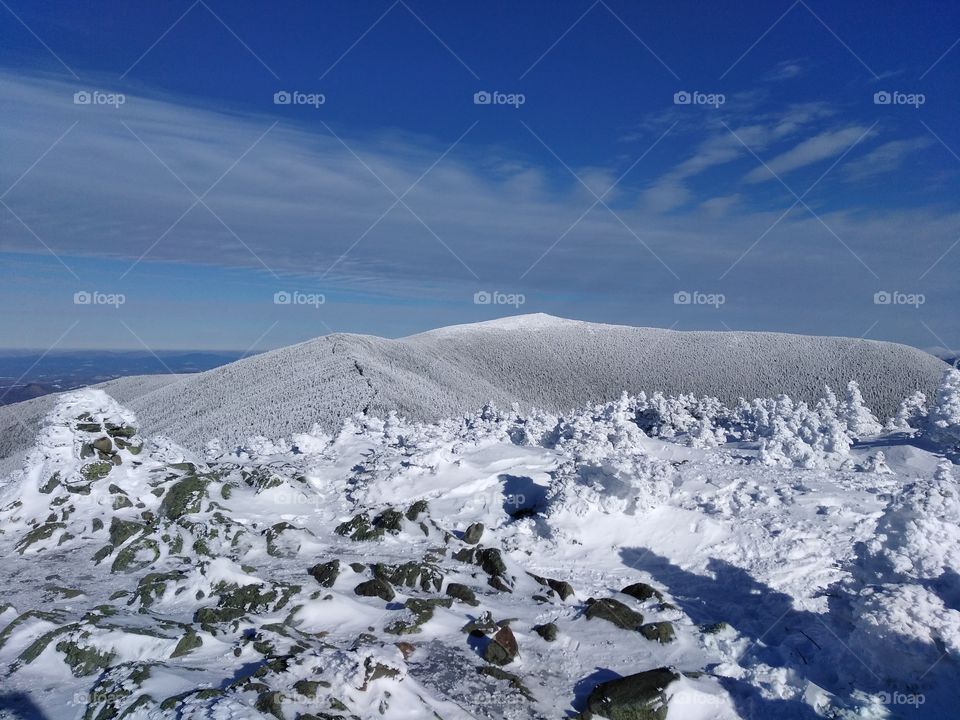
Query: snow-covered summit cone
(88, 475)
(79, 462)
(84, 435)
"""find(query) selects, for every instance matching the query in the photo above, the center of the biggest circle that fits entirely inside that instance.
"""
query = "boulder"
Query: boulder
(635, 697)
(462, 593)
(662, 632)
(326, 573)
(615, 612)
(502, 648)
(548, 631)
(377, 587)
(473, 534)
(642, 591)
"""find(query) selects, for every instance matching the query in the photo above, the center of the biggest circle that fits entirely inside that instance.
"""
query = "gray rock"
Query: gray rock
(642, 591)
(615, 612)
(662, 632)
(502, 648)
(548, 631)
(473, 534)
(326, 573)
(376, 588)
(462, 593)
(635, 697)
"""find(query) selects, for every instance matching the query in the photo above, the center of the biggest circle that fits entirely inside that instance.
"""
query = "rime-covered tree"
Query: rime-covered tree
(830, 398)
(911, 415)
(877, 463)
(856, 415)
(943, 423)
(944, 471)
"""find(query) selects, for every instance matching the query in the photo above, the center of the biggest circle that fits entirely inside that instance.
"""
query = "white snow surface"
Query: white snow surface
(794, 592)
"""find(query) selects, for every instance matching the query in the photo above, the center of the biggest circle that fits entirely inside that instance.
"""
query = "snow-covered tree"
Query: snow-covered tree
(877, 463)
(801, 437)
(944, 471)
(830, 398)
(943, 423)
(911, 415)
(785, 448)
(833, 438)
(704, 435)
(860, 422)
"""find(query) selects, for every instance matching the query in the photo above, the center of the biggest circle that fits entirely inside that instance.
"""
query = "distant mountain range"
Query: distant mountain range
(29, 374)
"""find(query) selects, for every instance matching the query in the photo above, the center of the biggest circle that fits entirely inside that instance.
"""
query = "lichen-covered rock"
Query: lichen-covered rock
(187, 644)
(83, 659)
(642, 591)
(139, 554)
(152, 587)
(118, 692)
(123, 530)
(359, 528)
(184, 497)
(377, 587)
(423, 575)
(548, 631)
(96, 470)
(419, 612)
(38, 534)
(389, 520)
(635, 697)
(502, 648)
(234, 602)
(615, 612)
(416, 510)
(326, 573)
(462, 593)
(662, 632)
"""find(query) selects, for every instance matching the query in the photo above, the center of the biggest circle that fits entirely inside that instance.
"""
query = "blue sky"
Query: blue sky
(786, 195)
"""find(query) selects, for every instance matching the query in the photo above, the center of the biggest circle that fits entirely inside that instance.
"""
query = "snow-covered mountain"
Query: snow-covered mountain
(649, 557)
(534, 360)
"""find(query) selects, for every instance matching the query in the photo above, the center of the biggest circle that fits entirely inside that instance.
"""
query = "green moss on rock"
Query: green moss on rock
(184, 497)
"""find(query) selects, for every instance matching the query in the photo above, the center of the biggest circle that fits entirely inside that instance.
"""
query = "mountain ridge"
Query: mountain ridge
(535, 360)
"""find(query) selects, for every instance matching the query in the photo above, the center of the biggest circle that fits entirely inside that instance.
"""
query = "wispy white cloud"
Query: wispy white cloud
(718, 206)
(885, 158)
(300, 200)
(786, 70)
(812, 150)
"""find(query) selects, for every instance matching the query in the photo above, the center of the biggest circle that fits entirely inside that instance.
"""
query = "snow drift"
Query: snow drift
(501, 564)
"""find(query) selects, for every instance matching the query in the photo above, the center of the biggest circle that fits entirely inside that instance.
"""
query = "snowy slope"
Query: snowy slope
(535, 360)
(347, 575)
